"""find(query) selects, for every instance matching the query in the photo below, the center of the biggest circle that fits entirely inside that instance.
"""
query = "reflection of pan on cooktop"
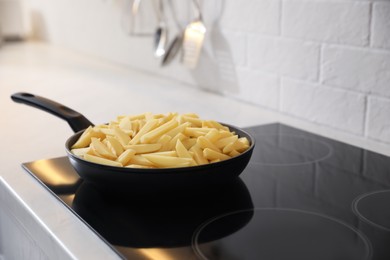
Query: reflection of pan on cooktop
(274, 233)
(166, 219)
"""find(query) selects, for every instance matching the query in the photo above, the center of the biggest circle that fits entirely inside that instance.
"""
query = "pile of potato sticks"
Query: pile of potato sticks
(159, 141)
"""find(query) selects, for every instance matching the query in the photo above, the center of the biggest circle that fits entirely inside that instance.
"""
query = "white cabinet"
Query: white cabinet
(15, 242)
(22, 234)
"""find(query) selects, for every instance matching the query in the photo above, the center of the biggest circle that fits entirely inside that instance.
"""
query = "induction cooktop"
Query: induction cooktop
(302, 196)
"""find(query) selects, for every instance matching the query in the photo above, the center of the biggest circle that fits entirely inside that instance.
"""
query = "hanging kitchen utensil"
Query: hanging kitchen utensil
(134, 21)
(134, 12)
(175, 45)
(161, 34)
(173, 49)
(193, 39)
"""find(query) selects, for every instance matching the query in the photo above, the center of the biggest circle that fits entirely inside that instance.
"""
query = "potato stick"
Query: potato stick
(110, 131)
(181, 150)
(135, 126)
(200, 129)
(234, 153)
(204, 143)
(241, 148)
(228, 148)
(198, 155)
(114, 145)
(83, 141)
(178, 129)
(214, 124)
(105, 143)
(210, 155)
(91, 152)
(238, 146)
(166, 153)
(137, 117)
(100, 160)
(159, 131)
(244, 140)
(183, 153)
(143, 148)
(213, 135)
(128, 132)
(221, 143)
(191, 115)
(145, 129)
(172, 143)
(80, 151)
(139, 160)
(113, 124)
(85, 138)
(194, 132)
(120, 117)
(215, 160)
(224, 134)
(188, 143)
(141, 123)
(125, 157)
(97, 127)
(164, 141)
(107, 131)
(158, 116)
(194, 121)
(122, 137)
(181, 120)
(149, 116)
(125, 123)
(168, 162)
(99, 148)
(168, 117)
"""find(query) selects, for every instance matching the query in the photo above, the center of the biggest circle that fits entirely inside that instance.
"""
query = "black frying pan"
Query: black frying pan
(125, 178)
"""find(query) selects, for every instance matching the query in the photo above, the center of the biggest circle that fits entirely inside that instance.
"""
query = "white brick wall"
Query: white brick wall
(322, 61)
(327, 21)
(237, 42)
(380, 25)
(378, 124)
(286, 57)
(325, 105)
(251, 16)
(258, 88)
(357, 69)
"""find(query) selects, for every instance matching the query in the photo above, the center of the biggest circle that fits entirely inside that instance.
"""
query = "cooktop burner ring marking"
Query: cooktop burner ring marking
(361, 216)
(197, 232)
(315, 160)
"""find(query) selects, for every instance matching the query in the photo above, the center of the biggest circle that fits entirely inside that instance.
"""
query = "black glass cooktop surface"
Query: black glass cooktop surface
(302, 196)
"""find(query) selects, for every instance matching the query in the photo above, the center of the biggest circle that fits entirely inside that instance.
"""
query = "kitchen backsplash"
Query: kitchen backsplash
(325, 62)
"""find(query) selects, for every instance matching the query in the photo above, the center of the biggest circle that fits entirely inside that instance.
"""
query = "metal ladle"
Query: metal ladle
(161, 34)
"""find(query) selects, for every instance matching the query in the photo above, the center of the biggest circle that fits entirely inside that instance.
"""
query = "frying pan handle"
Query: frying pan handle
(76, 120)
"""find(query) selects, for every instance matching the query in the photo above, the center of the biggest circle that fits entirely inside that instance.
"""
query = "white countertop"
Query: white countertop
(100, 90)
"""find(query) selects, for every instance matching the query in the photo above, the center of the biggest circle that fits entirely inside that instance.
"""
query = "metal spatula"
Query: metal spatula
(193, 39)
